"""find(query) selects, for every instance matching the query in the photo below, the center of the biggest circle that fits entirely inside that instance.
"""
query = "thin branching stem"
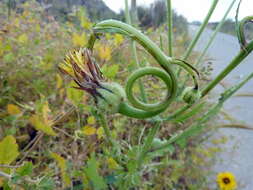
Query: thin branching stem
(170, 28)
(200, 31)
(217, 29)
(134, 52)
(5, 175)
(8, 176)
(8, 166)
(235, 62)
(148, 143)
(198, 126)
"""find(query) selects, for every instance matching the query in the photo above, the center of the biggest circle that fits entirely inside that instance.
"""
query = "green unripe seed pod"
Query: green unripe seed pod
(190, 95)
(112, 96)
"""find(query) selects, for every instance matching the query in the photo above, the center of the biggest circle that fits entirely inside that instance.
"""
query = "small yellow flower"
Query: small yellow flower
(226, 181)
(89, 130)
(118, 39)
(13, 109)
(112, 164)
(105, 53)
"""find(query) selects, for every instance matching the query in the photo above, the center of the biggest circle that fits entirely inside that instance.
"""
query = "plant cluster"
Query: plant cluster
(59, 137)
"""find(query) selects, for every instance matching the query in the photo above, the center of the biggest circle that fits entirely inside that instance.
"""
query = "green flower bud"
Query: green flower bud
(111, 95)
(158, 142)
(190, 95)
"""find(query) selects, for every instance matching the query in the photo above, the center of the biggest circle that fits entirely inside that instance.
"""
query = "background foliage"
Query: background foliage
(48, 151)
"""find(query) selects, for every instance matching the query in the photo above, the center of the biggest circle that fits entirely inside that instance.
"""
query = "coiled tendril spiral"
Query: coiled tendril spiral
(139, 109)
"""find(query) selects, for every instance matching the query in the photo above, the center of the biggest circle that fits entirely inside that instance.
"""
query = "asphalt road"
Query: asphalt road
(237, 154)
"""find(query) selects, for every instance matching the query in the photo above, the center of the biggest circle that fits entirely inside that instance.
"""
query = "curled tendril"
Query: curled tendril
(139, 109)
(164, 76)
(240, 28)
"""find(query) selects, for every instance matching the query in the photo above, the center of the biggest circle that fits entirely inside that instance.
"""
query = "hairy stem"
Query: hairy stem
(235, 62)
(106, 129)
(148, 143)
(198, 126)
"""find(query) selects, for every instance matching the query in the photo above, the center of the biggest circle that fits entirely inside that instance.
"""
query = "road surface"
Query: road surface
(237, 156)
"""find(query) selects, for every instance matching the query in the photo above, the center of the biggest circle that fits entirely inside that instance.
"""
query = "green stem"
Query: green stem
(191, 71)
(148, 143)
(130, 111)
(134, 51)
(127, 13)
(197, 127)
(235, 62)
(106, 130)
(240, 30)
(170, 27)
(161, 43)
(196, 109)
(151, 47)
(163, 60)
(9, 8)
(148, 71)
(201, 29)
(91, 41)
(178, 112)
(125, 29)
(217, 29)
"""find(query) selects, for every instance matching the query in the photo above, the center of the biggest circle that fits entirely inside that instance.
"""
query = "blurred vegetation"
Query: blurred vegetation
(156, 15)
(96, 10)
(229, 27)
(71, 152)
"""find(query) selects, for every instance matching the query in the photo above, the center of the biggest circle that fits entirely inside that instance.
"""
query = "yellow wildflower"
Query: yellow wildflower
(226, 181)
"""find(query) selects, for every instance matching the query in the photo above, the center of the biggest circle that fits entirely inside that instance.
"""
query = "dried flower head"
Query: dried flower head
(84, 70)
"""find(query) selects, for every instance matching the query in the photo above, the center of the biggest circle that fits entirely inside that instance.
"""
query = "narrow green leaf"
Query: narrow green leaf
(25, 170)
(92, 174)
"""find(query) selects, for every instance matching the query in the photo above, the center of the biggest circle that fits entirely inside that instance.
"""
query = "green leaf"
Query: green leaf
(157, 143)
(91, 120)
(23, 39)
(6, 186)
(182, 142)
(74, 95)
(25, 170)
(42, 125)
(79, 40)
(8, 150)
(92, 174)
(62, 164)
(46, 183)
(111, 71)
(8, 58)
